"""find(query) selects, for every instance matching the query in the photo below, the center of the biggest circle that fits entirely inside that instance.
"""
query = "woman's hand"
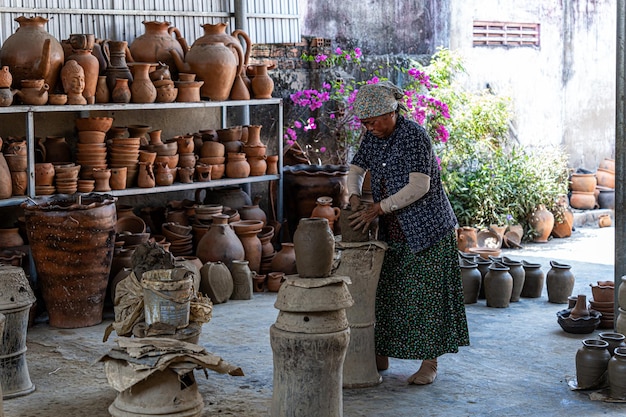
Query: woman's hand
(362, 219)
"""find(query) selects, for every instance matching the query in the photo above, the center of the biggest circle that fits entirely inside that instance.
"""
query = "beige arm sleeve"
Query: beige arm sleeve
(418, 185)
(356, 175)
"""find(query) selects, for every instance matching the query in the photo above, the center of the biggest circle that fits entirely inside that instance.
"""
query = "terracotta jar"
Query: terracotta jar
(471, 280)
(6, 79)
(254, 135)
(247, 231)
(103, 95)
(157, 44)
(242, 280)
(115, 53)
(237, 166)
(220, 243)
(542, 221)
(72, 246)
(275, 280)
(145, 177)
(533, 280)
(32, 53)
(323, 208)
(285, 260)
(466, 238)
(164, 174)
(120, 93)
(253, 212)
(617, 374)
(262, 84)
(314, 246)
(258, 283)
(583, 182)
(10, 237)
(583, 200)
(258, 165)
(82, 46)
(498, 285)
(559, 282)
(216, 281)
(267, 248)
(142, 89)
(592, 360)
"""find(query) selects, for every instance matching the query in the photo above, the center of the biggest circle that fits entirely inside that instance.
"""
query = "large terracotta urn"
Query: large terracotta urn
(220, 243)
(72, 243)
(542, 222)
(157, 42)
(32, 53)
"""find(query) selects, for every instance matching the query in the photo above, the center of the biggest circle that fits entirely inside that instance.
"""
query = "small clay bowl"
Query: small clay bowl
(132, 224)
(134, 239)
(102, 124)
(91, 136)
(176, 228)
(57, 99)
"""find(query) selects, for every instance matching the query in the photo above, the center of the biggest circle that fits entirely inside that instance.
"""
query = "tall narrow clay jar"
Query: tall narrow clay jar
(559, 282)
(242, 280)
(534, 279)
(471, 279)
(314, 244)
(591, 362)
(519, 276)
(498, 285)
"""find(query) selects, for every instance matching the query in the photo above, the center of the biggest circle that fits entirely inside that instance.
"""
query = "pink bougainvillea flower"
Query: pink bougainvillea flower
(323, 149)
(297, 124)
(357, 52)
(321, 58)
(338, 51)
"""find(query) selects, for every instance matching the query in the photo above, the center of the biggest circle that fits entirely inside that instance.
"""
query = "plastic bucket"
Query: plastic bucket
(166, 296)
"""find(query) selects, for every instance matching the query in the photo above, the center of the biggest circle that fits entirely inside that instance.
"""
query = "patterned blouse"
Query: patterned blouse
(390, 161)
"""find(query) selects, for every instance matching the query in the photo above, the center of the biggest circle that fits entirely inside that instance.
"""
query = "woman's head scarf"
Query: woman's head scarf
(377, 99)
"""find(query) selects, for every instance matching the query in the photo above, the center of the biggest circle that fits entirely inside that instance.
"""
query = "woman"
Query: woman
(419, 301)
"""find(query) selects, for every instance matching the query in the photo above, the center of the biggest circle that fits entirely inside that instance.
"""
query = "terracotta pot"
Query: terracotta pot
(189, 91)
(120, 93)
(257, 164)
(604, 220)
(203, 172)
(103, 94)
(605, 178)
(230, 134)
(186, 174)
(82, 45)
(564, 228)
(211, 149)
(252, 212)
(466, 238)
(583, 182)
(220, 243)
(498, 285)
(303, 184)
(592, 360)
(583, 200)
(44, 174)
(237, 166)
(157, 44)
(542, 221)
(10, 237)
(118, 178)
(314, 247)
(6, 79)
(324, 209)
(145, 177)
(285, 260)
(37, 96)
(258, 283)
(275, 280)
(233, 197)
(608, 164)
(242, 280)
(72, 247)
(606, 198)
(6, 187)
(247, 231)
(262, 84)
(559, 282)
(142, 90)
(32, 53)
(185, 144)
(272, 165)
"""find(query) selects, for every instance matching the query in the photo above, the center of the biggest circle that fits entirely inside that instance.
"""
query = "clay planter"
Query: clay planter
(72, 247)
(583, 182)
(275, 280)
(314, 245)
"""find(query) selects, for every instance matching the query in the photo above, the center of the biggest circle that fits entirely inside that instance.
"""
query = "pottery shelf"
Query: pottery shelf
(83, 111)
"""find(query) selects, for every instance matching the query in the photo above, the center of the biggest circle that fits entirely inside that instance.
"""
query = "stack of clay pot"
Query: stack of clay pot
(203, 219)
(603, 301)
(44, 178)
(91, 150)
(180, 238)
(212, 155)
(605, 190)
(124, 153)
(162, 80)
(166, 152)
(6, 95)
(66, 178)
(583, 185)
(255, 151)
(186, 157)
(236, 164)
(15, 154)
(188, 88)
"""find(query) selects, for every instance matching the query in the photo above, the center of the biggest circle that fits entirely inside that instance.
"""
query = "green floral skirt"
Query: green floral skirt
(419, 302)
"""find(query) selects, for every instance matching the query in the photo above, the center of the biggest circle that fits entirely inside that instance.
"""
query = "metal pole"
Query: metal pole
(242, 114)
(620, 152)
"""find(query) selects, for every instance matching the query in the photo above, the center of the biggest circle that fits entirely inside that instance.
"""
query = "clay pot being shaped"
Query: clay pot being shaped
(220, 243)
(157, 44)
(542, 222)
(314, 245)
(217, 58)
(262, 84)
(6, 79)
(142, 89)
(82, 46)
(32, 53)
(559, 282)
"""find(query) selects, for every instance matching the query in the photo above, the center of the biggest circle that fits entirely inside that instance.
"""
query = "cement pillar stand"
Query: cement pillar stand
(309, 341)
(362, 262)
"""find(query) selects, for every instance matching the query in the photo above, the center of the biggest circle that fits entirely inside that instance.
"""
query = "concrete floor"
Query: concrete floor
(518, 363)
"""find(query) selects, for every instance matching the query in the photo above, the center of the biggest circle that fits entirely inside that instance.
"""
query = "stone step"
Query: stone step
(590, 218)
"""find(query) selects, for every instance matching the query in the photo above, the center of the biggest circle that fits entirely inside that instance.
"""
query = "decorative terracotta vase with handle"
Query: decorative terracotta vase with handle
(157, 44)
(262, 83)
(324, 209)
(32, 53)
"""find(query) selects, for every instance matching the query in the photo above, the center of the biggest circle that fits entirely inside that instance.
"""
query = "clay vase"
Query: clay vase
(253, 212)
(156, 44)
(120, 93)
(115, 53)
(145, 177)
(216, 281)
(466, 238)
(5, 177)
(284, 260)
(142, 89)
(518, 274)
(55, 149)
(559, 282)
(617, 374)
(592, 360)
(542, 222)
(314, 245)
(32, 53)
(118, 178)
(580, 308)
(237, 166)
(471, 279)
(10, 237)
(164, 174)
(82, 45)
(323, 208)
(262, 84)
(102, 176)
(258, 165)
(6, 79)
(72, 247)
(534, 279)
(498, 285)
(220, 243)
(272, 165)
(242, 280)
(103, 95)
(247, 231)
